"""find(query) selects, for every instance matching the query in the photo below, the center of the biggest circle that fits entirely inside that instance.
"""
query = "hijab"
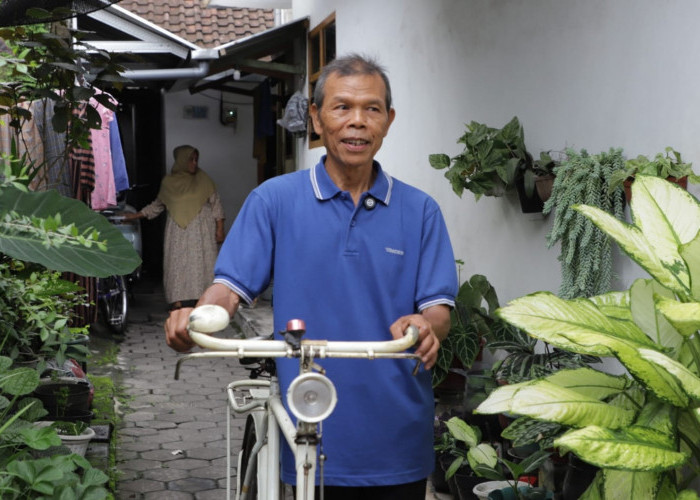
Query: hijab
(183, 193)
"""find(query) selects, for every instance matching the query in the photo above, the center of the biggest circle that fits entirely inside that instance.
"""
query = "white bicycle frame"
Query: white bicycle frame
(262, 398)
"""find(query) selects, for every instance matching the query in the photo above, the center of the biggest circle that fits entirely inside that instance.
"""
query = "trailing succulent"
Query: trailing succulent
(641, 429)
(586, 257)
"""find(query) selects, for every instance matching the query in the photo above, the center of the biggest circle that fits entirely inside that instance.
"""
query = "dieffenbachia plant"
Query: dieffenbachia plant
(642, 428)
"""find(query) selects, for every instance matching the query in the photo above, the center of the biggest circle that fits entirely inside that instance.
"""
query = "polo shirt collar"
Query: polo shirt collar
(325, 189)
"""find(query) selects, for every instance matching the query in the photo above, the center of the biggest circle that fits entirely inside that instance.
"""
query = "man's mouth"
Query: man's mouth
(355, 142)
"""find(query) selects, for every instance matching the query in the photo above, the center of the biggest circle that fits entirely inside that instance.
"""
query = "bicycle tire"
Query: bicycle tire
(249, 438)
(115, 302)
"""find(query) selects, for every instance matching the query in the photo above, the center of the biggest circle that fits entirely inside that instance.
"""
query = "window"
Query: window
(321, 51)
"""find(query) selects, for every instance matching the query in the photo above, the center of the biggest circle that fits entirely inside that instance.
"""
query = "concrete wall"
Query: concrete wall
(225, 152)
(585, 74)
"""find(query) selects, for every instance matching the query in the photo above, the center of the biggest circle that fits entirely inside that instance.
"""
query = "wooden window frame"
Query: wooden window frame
(318, 32)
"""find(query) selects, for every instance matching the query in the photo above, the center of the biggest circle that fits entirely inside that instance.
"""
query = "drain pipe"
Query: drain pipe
(168, 74)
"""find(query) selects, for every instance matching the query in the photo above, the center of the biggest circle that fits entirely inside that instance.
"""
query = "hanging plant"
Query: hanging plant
(586, 255)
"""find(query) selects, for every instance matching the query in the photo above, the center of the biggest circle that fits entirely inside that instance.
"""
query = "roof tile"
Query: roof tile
(188, 18)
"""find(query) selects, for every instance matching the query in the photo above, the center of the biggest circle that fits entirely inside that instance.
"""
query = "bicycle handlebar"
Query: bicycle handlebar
(210, 318)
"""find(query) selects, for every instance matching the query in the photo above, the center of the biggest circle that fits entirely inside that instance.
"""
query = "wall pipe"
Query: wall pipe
(167, 74)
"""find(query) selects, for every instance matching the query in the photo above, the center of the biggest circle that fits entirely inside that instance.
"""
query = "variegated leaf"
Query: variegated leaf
(633, 448)
(546, 401)
(590, 382)
(691, 255)
(462, 431)
(685, 317)
(557, 321)
(482, 454)
(688, 380)
(633, 242)
(614, 304)
(646, 316)
(629, 485)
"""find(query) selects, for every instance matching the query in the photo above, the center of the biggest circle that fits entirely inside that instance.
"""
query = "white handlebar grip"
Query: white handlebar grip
(209, 319)
(411, 331)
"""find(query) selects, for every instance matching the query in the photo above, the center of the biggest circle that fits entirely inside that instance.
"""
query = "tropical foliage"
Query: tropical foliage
(585, 255)
(666, 164)
(641, 429)
(490, 161)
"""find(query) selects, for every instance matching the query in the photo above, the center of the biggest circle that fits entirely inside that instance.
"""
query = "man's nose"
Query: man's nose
(357, 117)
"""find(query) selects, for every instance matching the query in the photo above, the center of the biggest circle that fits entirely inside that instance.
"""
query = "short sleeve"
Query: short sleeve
(245, 259)
(437, 273)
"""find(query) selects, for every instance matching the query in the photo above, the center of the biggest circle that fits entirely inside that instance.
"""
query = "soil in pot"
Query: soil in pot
(64, 399)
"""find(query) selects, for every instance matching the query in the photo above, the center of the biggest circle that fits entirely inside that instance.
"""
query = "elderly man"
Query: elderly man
(358, 255)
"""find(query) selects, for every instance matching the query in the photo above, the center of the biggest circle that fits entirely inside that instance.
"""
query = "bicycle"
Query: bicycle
(311, 398)
(112, 292)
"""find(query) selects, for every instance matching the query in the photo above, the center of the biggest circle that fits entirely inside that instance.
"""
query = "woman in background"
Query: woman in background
(193, 230)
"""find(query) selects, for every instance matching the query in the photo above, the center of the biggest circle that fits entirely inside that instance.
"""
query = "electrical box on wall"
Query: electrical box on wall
(229, 114)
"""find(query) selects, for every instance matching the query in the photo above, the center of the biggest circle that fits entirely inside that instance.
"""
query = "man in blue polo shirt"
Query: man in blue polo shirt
(358, 255)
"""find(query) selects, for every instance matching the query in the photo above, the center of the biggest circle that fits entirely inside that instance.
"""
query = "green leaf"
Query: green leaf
(646, 316)
(688, 380)
(19, 381)
(40, 438)
(589, 382)
(685, 317)
(121, 258)
(546, 401)
(629, 485)
(482, 454)
(614, 304)
(439, 161)
(633, 448)
(462, 431)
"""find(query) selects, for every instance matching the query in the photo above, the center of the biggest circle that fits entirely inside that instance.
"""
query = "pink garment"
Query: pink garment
(105, 193)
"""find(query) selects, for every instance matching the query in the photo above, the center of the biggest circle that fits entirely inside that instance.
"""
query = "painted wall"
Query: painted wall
(590, 75)
(225, 152)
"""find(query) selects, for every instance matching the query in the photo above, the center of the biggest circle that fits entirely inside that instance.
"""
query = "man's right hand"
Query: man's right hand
(176, 334)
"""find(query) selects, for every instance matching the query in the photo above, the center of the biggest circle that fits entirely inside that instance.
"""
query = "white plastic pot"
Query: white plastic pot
(482, 490)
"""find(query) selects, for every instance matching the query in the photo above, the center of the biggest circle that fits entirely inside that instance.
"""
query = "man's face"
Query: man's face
(353, 119)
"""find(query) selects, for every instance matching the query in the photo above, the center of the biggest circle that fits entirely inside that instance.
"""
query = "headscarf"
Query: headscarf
(183, 193)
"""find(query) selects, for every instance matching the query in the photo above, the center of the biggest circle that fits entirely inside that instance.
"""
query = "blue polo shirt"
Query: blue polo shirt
(349, 272)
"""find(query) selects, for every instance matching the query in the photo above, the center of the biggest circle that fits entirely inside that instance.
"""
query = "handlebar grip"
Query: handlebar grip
(209, 318)
(411, 331)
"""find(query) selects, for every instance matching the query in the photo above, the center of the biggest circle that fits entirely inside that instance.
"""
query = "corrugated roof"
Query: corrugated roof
(205, 27)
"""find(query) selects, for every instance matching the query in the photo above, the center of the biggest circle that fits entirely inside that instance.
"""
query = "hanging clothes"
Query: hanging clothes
(55, 172)
(121, 177)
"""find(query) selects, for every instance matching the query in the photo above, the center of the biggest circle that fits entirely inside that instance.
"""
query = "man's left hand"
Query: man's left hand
(428, 343)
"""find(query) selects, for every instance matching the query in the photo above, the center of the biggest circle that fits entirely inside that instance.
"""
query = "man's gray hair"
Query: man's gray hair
(352, 64)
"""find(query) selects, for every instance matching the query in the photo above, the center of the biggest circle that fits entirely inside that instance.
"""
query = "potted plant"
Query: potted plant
(667, 165)
(542, 175)
(75, 436)
(585, 256)
(490, 161)
(640, 428)
(483, 459)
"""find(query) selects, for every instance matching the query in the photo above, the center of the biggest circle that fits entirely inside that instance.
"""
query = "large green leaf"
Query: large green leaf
(685, 317)
(557, 321)
(120, 257)
(19, 381)
(462, 431)
(691, 255)
(633, 242)
(629, 485)
(688, 380)
(634, 448)
(546, 401)
(590, 382)
(646, 317)
(578, 326)
(614, 304)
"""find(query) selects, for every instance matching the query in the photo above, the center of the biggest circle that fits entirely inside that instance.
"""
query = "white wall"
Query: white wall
(225, 153)
(587, 74)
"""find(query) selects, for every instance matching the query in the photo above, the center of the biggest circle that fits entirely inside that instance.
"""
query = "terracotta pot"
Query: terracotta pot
(543, 185)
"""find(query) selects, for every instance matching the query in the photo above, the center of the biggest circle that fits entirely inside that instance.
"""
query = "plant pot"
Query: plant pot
(465, 483)
(64, 399)
(579, 476)
(75, 444)
(528, 204)
(543, 185)
(483, 490)
(77, 416)
(627, 185)
(442, 461)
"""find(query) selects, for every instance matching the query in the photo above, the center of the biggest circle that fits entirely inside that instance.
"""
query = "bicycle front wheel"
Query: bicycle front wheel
(115, 302)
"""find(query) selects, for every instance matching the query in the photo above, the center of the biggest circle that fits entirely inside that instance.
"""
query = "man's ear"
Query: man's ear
(315, 118)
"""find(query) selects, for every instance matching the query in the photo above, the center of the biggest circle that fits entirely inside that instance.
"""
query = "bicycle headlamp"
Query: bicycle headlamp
(311, 397)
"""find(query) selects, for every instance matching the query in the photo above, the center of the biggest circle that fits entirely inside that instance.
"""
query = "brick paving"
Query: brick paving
(172, 440)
